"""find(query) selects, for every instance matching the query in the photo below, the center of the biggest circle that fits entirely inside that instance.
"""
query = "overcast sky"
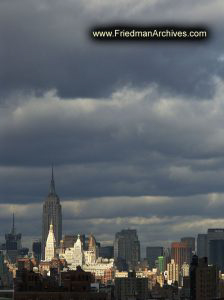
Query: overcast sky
(135, 130)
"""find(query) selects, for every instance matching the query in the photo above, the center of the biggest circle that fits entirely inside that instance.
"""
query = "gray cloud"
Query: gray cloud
(46, 45)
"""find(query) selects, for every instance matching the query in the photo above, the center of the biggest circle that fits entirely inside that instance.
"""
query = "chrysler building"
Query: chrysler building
(51, 215)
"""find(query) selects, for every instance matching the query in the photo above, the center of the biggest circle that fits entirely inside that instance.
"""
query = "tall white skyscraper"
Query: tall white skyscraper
(51, 214)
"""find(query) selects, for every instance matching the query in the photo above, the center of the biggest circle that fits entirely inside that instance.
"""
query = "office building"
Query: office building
(51, 214)
(152, 254)
(213, 234)
(127, 247)
(181, 253)
(202, 241)
(216, 250)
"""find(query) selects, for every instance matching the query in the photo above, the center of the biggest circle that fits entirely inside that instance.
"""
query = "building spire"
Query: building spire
(52, 184)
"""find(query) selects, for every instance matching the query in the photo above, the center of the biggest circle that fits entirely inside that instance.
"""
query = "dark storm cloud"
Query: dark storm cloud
(135, 142)
(45, 45)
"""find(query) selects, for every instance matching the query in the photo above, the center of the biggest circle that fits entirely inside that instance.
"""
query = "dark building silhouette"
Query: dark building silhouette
(152, 254)
(13, 243)
(127, 247)
(202, 241)
(204, 280)
(51, 214)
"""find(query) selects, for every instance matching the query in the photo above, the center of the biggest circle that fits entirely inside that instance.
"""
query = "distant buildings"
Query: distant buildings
(89, 259)
(127, 247)
(13, 243)
(51, 214)
(73, 285)
(152, 254)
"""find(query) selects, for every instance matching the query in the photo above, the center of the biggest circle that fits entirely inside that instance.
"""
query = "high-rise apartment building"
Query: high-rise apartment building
(127, 247)
(51, 214)
(152, 254)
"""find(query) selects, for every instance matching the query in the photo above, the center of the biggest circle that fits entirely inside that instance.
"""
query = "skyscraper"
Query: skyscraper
(51, 214)
(127, 247)
(213, 234)
(181, 253)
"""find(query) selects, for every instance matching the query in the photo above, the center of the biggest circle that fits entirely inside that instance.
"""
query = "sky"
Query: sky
(135, 130)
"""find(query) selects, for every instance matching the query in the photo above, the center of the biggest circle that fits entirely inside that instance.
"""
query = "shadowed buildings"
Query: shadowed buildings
(152, 254)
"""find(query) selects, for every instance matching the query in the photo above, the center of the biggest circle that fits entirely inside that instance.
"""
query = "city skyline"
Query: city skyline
(135, 129)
